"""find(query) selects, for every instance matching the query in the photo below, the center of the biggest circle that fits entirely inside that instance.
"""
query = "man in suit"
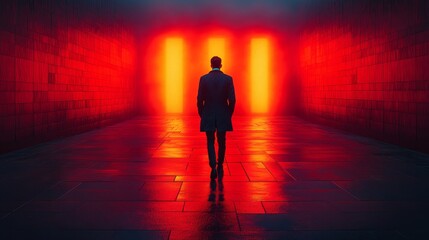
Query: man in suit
(216, 102)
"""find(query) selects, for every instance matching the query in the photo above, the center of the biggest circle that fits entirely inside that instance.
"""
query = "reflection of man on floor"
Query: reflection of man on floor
(216, 102)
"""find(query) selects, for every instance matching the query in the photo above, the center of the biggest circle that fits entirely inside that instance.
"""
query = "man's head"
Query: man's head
(216, 62)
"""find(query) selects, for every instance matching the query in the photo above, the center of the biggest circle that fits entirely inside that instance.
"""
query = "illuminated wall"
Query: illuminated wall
(256, 41)
(175, 62)
(64, 69)
(364, 67)
(70, 66)
(260, 75)
(173, 79)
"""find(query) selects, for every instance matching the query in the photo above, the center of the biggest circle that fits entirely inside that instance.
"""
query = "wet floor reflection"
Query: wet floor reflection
(216, 195)
(283, 177)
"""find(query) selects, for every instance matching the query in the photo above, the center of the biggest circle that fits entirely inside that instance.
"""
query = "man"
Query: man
(216, 102)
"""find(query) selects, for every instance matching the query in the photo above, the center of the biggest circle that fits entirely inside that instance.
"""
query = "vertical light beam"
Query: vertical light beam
(216, 47)
(174, 75)
(259, 74)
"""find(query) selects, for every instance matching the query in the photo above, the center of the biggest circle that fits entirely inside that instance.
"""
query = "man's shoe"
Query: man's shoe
(213, 174)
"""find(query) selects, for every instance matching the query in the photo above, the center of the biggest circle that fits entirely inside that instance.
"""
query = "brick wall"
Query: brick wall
(364, 67)
(65, 67)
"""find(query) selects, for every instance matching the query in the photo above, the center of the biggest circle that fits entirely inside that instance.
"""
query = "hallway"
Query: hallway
(148, 178)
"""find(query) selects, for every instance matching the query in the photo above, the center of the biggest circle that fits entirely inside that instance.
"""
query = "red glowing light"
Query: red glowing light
(259, 72)
(177, 59)
(174, 70)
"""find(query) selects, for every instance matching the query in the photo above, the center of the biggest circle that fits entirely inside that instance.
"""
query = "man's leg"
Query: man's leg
(211, 148)
(221, 141)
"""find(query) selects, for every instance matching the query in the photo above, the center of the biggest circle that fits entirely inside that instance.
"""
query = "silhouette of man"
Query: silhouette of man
(216, 102)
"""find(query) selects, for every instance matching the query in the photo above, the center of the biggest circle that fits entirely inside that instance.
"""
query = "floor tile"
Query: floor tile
(149, 178)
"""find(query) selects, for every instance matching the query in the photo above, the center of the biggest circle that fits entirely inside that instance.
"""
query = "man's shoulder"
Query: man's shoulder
(205, 75)
(213, 73)
(226, 75)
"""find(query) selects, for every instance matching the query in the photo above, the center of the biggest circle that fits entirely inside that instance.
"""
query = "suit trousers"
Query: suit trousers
(221, 139)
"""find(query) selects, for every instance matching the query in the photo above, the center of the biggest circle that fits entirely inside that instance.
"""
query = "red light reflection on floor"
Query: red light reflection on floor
(280, 173)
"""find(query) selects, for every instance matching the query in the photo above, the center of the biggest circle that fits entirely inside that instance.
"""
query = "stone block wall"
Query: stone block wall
(65, 67)
(364, 67)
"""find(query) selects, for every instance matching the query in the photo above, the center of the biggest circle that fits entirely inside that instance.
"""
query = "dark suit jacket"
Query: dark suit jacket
(216, 101)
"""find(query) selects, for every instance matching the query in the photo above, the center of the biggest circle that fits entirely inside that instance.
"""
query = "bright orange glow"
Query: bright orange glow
(174, 75)
(175, 60)
(216, 47)
(259, 74)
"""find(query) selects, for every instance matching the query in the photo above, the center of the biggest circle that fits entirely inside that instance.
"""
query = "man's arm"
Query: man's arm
(231, 97)
(200, 98)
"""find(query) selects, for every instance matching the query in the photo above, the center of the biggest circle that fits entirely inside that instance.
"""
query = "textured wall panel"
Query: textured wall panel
(364, 67)
(65, 67)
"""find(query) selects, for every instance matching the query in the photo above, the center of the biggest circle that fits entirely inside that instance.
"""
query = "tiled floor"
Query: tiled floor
(148, 178)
